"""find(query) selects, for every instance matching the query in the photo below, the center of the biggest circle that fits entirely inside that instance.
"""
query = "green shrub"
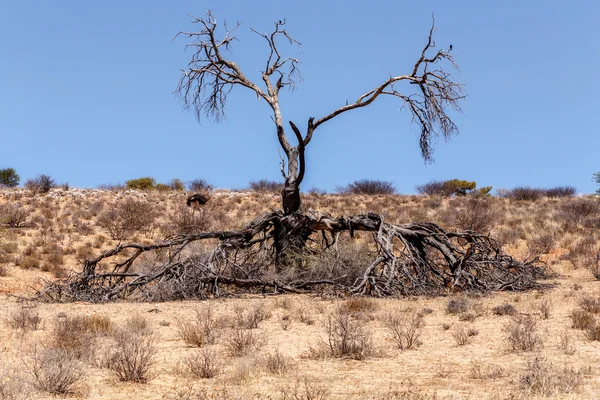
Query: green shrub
(145, 183)
(452, 187)
(9, 177)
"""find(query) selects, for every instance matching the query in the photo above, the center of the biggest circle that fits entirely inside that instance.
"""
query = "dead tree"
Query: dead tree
(410, 259)
(419, 258)
(427, 92)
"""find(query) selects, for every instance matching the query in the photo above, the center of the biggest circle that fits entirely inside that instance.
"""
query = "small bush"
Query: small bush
(581, 319)
(359, 305)
(479, 371)
(589, 303)
(127, 217)
(462, 336)
(504, 309)
(405, 329)
(185, 221)
(476, 214)
(305, 390)
(55, 370)
(29, 262)
(201, 330)
(133, 355)
(452, 187)
(593, 332)
(203, 363)
(542, 378)
(199, 186)
(561, 191)
(522, 333)
(241, 342)
(145, 183)
(9, 177)
(524, 193)
(13, 215)
(40, 184)
(368, 187)
(346, 337)
(458, 305)
(266, 186)
(251, 317)
(277, 363)
(177, 185)
(25, 319)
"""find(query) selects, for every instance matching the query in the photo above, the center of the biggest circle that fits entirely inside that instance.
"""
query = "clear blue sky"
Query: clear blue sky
(86, 92)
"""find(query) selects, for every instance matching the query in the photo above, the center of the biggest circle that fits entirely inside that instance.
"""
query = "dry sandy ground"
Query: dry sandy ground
(438, 367)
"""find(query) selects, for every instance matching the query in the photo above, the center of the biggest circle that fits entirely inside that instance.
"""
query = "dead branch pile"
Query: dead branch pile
(409, 259)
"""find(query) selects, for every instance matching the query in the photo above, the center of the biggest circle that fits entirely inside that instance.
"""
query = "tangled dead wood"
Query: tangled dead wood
(409, 259)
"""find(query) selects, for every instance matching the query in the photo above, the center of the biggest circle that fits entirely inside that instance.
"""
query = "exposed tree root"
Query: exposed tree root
(409, 259)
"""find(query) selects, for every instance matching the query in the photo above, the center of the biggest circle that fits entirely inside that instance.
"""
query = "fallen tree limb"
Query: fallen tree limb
(409, 259)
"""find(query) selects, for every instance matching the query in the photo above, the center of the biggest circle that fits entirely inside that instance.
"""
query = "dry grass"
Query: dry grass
(260, 364)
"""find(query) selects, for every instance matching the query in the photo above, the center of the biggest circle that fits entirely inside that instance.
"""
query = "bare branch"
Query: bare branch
(436, 94)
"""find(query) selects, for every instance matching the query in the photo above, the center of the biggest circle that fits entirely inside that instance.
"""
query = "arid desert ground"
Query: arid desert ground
(534, 344)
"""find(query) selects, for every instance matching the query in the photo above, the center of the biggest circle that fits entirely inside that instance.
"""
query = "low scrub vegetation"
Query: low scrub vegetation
(368, 187)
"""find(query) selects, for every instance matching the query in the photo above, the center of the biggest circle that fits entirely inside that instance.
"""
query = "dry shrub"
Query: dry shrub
(201, 330)
(522, 333)
(203, 363)
(480, 371)
(240, 342)
(54, 370)
(458, 305)
(132, 354)
(304, 389)
(545, 309)
(475, 214)
(25, 318)
(541, 244)
(12, 382)
(504, 309)
(463, 336)
(277, 363)
(243, 370)
(593, 332)
(250, 318)
(566, 343)
(77, 334)
(356, 305)
(344, 262)
(405, 329)
(188, 221)
(542, 378)
(305, 315)
(589, 303)
(581, 319)
(13, 215)
(368, 187)
(127, 217)
(29, 262)
(346, 337)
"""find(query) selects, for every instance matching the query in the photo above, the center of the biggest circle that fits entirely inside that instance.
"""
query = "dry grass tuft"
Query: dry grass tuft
(200, 331)
(132, 355)
(277, 363)
(304, 389)
(542, 378)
